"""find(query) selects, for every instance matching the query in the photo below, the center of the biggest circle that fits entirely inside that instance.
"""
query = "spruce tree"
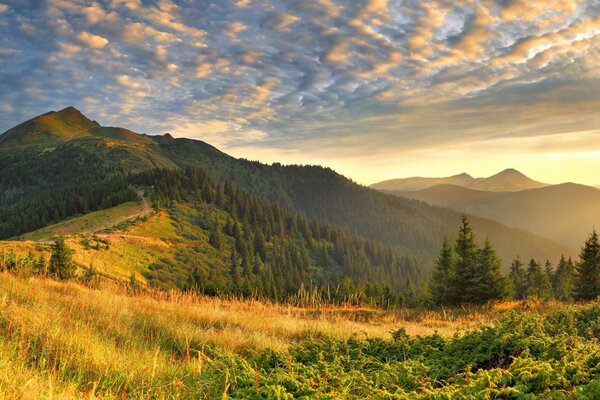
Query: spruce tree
(538, 284)
(518, 279)
(464, 281)
(61, 262)
(216, 239)
(441, 283)
(488, 281)
(236, 274)
(587, 284)
(563, 280)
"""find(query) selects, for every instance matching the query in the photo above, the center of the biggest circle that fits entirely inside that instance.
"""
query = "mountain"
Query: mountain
(564, 213)
(62, 164)
(420, 183)
(509, 180)
(48, 129)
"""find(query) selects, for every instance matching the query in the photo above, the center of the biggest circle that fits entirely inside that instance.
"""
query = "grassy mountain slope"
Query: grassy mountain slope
(49, 129)
(564, 213)
(86, 157)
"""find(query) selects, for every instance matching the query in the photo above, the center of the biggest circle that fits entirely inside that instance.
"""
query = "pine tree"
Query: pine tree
(538, 284)
(463, 283)
(489, 281)
(587, 283)
(518, 278)
(61, 262)
(441, 283)
(216, 238)
(236, 273)
(563, 280)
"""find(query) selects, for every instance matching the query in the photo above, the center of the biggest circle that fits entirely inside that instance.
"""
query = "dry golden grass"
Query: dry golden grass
(63, 339)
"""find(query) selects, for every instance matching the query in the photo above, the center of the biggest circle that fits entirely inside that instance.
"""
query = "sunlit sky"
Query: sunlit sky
(376, 89)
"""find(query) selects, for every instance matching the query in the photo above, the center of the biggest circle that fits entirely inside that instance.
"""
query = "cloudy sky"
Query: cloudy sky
(376, 89)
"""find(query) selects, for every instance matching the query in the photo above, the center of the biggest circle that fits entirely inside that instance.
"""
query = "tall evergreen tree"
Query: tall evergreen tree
(587, 283)
(236, 273)
(518, 279)
(61, 262)
(538, 284)
(441, 282)
(216, 238)
(489, 282)
(464, 281)
(564, 279)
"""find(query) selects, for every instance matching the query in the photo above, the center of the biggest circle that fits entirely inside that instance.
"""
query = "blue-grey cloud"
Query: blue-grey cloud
(308, 74)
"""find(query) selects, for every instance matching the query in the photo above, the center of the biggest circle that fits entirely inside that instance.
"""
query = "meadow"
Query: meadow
(65, 340)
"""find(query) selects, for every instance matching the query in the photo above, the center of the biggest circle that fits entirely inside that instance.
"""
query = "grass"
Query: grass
(64, 340)
(88, 223)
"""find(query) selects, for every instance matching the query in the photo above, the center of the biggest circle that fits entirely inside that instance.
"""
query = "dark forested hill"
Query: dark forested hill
(61, 164)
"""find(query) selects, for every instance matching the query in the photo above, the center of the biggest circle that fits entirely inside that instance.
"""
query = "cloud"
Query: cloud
(92, 41)
(283, 22)
(330, 79)
(127, 82)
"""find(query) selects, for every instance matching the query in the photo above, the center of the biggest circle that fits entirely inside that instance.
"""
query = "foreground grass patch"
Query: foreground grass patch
(62, 339)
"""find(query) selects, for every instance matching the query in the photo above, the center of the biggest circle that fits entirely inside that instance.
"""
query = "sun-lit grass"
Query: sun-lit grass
(64, 338)
(88, 223)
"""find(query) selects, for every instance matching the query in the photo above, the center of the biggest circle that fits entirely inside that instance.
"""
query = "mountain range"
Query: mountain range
(62, 166)
(565, 213)
(509, 180)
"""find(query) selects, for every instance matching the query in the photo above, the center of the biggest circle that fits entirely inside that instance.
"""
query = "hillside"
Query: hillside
(564, 213)
(87, 171)
(509, 180)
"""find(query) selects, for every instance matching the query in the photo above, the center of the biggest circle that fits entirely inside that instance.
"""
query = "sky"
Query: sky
(376, 89)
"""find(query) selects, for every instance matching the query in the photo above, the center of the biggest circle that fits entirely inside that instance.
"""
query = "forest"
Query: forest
(264, 250)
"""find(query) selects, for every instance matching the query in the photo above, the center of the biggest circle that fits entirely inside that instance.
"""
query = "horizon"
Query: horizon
(377, 89)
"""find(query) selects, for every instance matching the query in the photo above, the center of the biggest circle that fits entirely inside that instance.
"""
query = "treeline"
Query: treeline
(465, 273)
(46, 206)
(276, 253)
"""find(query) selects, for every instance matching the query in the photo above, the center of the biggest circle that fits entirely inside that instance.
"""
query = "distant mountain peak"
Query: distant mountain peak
(463, 175)
(508, 180)
(511, 172)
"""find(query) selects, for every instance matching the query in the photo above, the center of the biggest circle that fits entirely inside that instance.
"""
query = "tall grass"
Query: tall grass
(64, 340)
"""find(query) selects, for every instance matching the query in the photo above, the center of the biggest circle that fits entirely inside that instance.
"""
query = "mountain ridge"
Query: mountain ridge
(508, 180)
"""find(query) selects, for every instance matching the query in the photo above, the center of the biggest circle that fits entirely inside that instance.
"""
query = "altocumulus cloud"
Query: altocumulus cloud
(314, 76)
